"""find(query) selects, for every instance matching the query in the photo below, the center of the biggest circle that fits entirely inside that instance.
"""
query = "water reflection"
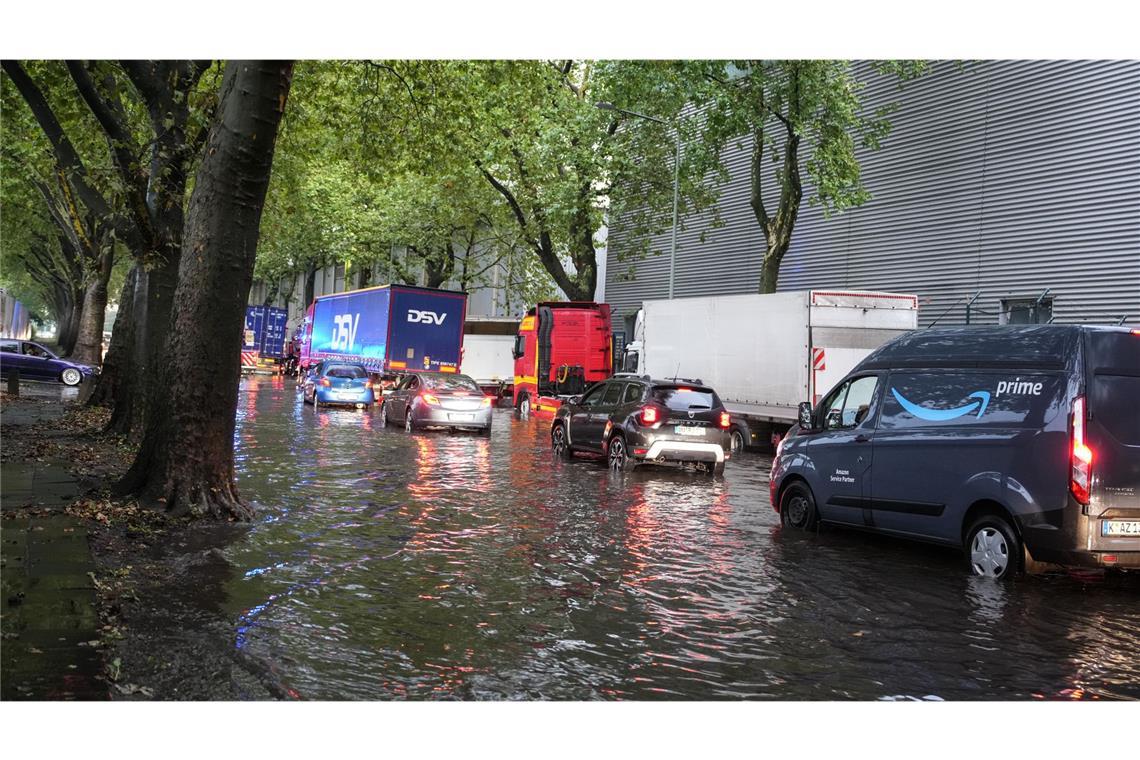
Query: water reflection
(386, 565)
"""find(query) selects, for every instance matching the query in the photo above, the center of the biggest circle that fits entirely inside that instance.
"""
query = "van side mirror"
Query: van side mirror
(805, 416)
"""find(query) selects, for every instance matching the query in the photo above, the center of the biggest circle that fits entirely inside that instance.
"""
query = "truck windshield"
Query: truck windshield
(450, 383)
(682, 399)
(346, 370)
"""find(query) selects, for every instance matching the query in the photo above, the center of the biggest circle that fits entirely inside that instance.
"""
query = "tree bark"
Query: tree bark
(116, 365)
(186, 459)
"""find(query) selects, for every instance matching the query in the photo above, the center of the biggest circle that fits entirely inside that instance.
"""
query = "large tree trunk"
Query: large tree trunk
(186, 460)
(69, 323)
(89, 344)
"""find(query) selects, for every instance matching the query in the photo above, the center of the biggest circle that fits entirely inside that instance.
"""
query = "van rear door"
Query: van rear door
(1113, 427)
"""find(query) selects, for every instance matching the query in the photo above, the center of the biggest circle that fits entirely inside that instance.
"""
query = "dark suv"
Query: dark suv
(1021, 445)
(632, 420)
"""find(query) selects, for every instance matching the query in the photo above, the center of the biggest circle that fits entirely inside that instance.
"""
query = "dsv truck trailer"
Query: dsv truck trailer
(765, 353)
(391, 328)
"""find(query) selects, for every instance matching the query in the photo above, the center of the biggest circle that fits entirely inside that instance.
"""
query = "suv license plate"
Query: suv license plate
(689, 430)
(1120, 528)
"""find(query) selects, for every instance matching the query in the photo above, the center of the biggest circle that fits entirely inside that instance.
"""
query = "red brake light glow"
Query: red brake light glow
(1080, 478)
(649, 415)
(725, 420)
(326, 382)
(429, 398)
(486, 401)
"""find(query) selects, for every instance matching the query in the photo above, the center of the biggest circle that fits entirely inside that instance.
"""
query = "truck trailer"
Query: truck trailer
(765, 353)
(488, 343)
(263, 342)
(562, 347)
(387, 329)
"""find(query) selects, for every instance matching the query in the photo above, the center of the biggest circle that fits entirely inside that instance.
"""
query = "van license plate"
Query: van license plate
(689, 430)
(1120, 528)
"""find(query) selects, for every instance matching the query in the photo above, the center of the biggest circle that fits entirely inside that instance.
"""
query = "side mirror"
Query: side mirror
(575, 400)
(805, 416)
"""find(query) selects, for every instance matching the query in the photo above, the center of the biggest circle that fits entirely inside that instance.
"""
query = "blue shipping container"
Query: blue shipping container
(392, 327)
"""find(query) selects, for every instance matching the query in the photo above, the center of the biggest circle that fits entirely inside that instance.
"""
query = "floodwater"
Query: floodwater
(385, 565)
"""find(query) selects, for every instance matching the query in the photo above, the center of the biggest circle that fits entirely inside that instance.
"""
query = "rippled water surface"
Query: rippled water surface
(387, 565)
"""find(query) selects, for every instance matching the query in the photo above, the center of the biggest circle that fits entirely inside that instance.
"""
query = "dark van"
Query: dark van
(1021, 445)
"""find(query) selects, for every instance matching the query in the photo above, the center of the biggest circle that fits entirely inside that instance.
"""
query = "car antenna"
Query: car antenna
(677, 372)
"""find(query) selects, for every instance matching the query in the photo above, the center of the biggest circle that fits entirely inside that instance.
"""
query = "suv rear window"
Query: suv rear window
(682, 399)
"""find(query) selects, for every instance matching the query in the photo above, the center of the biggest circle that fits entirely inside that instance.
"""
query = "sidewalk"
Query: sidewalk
(49, 620)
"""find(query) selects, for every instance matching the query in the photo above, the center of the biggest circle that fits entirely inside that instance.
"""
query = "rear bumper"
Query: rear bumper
(479, 418)
(1129, 560)
(683, 451)
(348, 398)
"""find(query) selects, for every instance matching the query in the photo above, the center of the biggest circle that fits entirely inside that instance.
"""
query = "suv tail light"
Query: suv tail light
(429, 398)
(649, 415)
(1081, 456)
(725, 420)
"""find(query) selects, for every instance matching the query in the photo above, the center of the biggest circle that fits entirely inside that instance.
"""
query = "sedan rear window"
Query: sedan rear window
(346, 370)
(450, 383)
(681, 399)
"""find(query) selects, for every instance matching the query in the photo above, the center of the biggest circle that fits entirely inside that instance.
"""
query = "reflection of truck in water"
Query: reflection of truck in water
(561, 349)
(764, 354)
(487, 357)
(390, 328)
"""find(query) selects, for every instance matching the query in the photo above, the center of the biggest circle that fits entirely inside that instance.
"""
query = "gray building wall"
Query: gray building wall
(1004, 177)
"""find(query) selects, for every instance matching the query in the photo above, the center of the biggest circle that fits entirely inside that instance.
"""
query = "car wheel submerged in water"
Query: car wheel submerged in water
(559, 443)
(797, 507)
(992, 548)
(524, 406)
(409, 423)
(617, 455)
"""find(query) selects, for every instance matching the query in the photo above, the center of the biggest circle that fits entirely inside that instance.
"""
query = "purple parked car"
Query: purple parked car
(37, 363)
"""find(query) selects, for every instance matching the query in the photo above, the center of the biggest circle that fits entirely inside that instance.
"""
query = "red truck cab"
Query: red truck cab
(561, 349)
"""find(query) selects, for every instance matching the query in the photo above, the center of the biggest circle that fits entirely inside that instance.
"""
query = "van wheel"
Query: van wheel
(797, 507)
(992, 548)
(737, 441)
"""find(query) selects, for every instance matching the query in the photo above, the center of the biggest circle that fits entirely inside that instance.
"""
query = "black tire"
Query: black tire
(558, 442)
(993, 549)
(617, 456)
(797, 507)
(715, 468)
(71, 377)
(736, 441)
(409, 423)
(485, 432)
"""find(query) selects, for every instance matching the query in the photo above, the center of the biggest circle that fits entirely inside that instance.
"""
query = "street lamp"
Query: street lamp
(605, 106)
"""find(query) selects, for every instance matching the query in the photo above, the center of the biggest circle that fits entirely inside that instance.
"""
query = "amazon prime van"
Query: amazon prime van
(1021, 445)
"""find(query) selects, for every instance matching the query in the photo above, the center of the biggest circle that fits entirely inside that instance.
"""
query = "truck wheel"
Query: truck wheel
(992, 548)
(559, 443)
(797, 507)
(524, 406)
(618, 457)
(736, 441)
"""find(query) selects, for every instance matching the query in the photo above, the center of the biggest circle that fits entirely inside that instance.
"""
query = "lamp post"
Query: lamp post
(605, 106)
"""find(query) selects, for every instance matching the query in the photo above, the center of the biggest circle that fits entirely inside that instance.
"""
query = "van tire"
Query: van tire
(993, 549)
(797, 507)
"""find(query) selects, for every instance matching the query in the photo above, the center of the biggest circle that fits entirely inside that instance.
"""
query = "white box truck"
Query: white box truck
(487, 354)
(764, 354)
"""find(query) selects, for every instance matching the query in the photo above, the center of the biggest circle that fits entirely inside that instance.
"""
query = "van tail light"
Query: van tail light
(429, 398)
(326, 382)
(649, 415)
(1081, 456)
(725, 420)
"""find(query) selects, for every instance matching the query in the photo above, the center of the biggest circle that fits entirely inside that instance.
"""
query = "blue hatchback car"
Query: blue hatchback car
(338, 383)
(35, 362)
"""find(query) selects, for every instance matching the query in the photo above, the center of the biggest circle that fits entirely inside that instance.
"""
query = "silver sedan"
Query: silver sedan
(438, 399)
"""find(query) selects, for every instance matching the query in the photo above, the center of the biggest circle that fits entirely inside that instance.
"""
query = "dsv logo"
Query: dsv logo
(429, 317)
(344, 331)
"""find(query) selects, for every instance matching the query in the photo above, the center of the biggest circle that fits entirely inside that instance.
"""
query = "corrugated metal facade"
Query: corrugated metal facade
(1004, 177)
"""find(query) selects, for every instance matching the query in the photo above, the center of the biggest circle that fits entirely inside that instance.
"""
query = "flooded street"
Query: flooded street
(387, 565)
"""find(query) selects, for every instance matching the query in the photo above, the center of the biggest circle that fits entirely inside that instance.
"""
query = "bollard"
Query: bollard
(14, 383)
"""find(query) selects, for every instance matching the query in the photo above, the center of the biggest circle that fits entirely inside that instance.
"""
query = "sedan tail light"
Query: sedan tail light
(429, 398)
(1081, 456)
(326, 382)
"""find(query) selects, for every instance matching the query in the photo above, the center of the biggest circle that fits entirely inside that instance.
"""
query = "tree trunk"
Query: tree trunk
(69, 323)
(770, 269)
(117, 364)
(89, 344)
(186, 459)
